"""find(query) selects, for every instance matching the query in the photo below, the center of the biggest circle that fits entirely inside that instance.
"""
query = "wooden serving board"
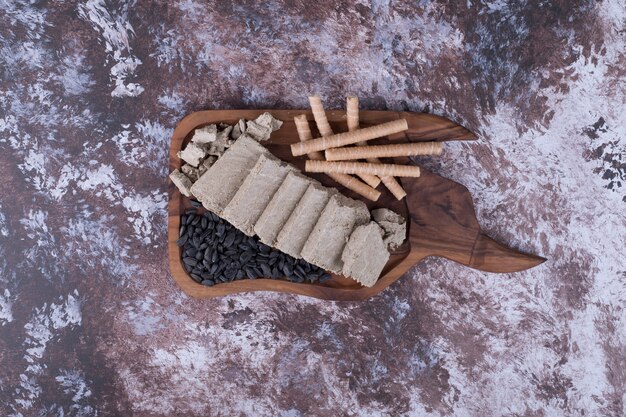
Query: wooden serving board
(441, 216)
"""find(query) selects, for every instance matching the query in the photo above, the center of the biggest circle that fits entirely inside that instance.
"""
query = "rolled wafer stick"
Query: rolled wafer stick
(348, 138)
(382, 151)
(352, 111)
(391, 170)
(319, 114)
(352, 116)
(304, 133)
(394, 187)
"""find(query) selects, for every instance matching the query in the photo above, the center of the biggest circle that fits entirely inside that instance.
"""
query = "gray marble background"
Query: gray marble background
(91, 322)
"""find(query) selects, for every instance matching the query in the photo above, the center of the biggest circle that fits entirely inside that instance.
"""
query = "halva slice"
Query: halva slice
(331, 232)
(281, 206)
(365, 254)
(217, 186)
(255, 193)
(302, 220)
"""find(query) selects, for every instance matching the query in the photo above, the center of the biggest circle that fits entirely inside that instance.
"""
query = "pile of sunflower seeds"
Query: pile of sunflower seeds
(214, 251)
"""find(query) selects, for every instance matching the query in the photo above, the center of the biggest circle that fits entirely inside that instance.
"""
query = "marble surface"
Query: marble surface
(91, 322)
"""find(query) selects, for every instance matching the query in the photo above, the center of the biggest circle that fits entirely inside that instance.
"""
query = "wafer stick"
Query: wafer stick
(348, 138)
(362, 167)
(352, 116)
(352, 110)
(394, 187)
(381, 151)
(304, 133)
(352, 113)
(319, 114)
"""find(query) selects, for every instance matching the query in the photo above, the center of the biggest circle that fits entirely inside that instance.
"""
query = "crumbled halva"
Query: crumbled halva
(193, 153)
(181, 181)
(192, 173)
(206, 134)
(393, 225)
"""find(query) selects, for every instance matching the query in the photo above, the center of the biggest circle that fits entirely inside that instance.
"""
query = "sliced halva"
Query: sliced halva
(331, 232)
(281, 206)
(302, 220)
(217, 186)
(365, 255)
(255, 193)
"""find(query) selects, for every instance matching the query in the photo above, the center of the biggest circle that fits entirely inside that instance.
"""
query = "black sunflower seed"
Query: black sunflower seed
(190, 218)
(204, 222)
(287, 270)
(199, 256)
(182, 231)
(182, 240)
(245, 257)
(190, 261)
(325, 277)
(208, 282)
(195, 203)
(221, 228)
(230, 239)
(267, 271)
(196, 277)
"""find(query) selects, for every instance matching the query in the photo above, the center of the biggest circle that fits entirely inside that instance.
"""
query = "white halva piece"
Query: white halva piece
(191, 172)
(267, 120)
(206, 134)
(181, 181)
(193, 153)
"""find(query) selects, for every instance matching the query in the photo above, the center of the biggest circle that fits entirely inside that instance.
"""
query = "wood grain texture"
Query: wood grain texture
(442, 221)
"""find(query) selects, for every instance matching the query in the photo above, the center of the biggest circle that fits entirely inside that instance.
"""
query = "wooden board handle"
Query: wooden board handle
(443, 223)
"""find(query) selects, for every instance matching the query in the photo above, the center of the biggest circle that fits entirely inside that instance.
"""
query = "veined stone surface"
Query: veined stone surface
(91, 323)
